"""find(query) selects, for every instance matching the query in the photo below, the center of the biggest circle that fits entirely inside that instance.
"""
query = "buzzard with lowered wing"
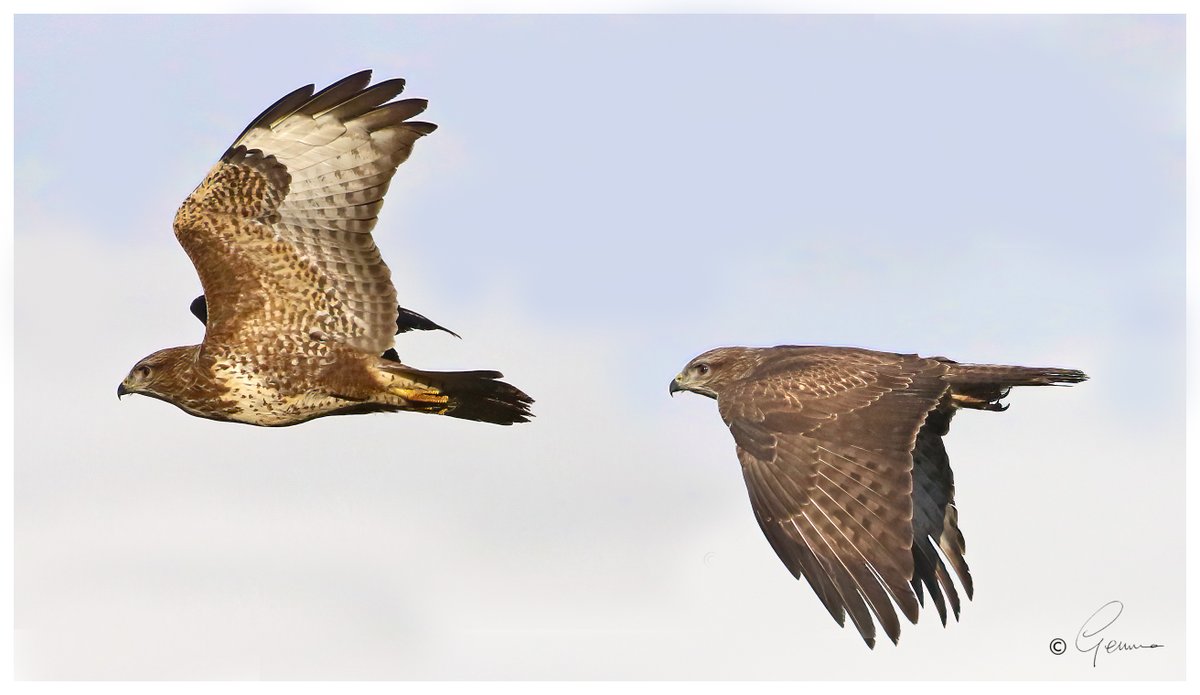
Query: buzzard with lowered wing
(841, 450)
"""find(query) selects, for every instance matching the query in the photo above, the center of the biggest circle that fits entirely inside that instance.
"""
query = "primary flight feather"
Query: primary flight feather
(299, 308)
(842, 454)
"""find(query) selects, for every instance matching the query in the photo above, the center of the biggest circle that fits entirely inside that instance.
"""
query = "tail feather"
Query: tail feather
(983, 386)
(474, 395)
(1005, 376)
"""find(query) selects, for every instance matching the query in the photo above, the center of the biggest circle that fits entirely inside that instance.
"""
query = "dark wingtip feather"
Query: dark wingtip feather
(926, 570)
(199, 309)
(337, 93)
(420, 126)
(353, 105)
(284, 106)
(409, 320)
(362, 76)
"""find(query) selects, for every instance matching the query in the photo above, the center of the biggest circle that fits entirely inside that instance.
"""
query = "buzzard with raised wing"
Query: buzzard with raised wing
(841, 450)
(299, 308)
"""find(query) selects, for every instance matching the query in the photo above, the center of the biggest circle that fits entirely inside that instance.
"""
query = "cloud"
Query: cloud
(401, 545)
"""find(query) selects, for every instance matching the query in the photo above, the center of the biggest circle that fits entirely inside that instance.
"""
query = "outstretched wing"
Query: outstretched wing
(935, 518)
(280, 229)
(825, 440)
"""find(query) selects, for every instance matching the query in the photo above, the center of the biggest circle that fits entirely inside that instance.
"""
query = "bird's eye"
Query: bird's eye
(701, 368)
(143, 372)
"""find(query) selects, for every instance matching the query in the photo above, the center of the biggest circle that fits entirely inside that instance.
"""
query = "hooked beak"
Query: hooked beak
(675, 387)
(121, 391)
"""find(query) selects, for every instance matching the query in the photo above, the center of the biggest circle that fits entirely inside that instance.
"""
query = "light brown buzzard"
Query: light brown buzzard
(299, 308)
(841, 450)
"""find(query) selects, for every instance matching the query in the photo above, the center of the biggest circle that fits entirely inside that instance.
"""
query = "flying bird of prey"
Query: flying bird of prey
(299, 309)
(841, 450)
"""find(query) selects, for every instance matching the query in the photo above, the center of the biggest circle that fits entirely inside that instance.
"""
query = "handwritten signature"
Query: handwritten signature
(1090, 639)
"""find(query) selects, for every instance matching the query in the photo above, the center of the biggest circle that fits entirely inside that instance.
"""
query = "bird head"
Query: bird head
(707, 373)
(151, 374)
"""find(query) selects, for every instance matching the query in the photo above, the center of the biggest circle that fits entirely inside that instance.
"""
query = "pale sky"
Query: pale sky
(606, 197)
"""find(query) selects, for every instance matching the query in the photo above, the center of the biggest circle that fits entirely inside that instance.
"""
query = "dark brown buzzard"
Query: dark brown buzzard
(299, 308)
(841, 450)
